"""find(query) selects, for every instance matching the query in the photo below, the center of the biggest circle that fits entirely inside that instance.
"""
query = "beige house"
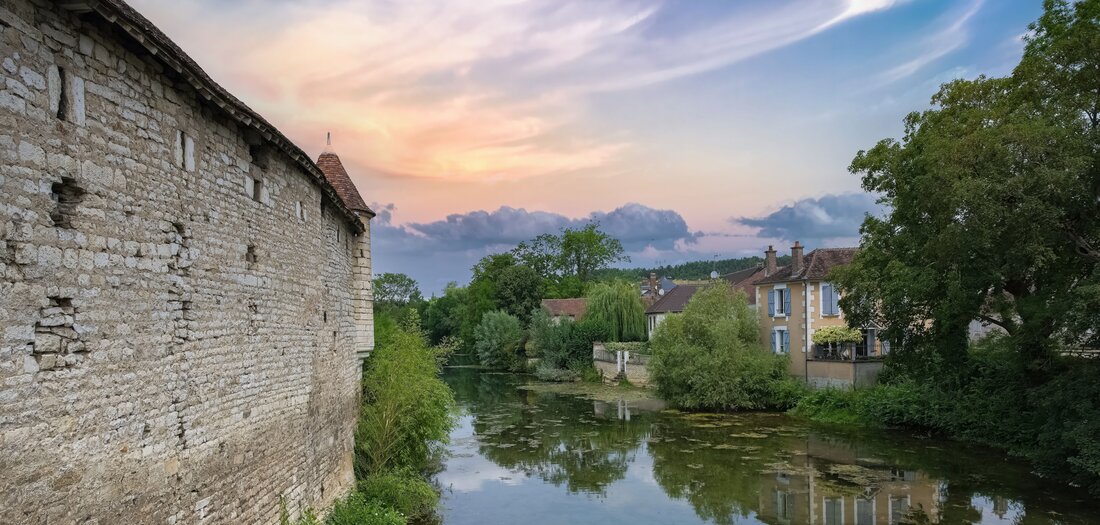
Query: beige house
(796, 300)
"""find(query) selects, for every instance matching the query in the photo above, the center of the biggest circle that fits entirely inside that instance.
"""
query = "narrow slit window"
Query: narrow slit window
(180, 147)
(257, 189)
(250, 255)
(63, 95)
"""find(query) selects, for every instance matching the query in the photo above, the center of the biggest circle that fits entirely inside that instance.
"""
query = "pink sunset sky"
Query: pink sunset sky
(690, 128)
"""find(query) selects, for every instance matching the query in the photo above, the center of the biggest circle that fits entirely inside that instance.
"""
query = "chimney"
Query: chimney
(769, 261)
(796, 259)
(653, 292)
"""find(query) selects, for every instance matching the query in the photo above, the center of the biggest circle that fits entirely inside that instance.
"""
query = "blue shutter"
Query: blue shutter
(787, 302)
(771, 303)
(786, 341)
(775, 347)
(826, 299)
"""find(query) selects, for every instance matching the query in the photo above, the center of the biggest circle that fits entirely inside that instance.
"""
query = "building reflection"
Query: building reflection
(828, 485)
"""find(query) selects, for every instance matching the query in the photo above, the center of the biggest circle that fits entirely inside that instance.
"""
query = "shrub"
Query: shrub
(547, 372)
(831, 335)
(710, 357)
(406, 410)
(357, 510)
(566, 344)
(497, 340)
(406, 493)
(619, 307)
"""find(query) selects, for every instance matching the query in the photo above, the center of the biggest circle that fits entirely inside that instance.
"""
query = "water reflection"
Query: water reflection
(521, 456)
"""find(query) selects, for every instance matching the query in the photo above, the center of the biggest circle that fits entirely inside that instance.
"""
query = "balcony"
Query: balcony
(847, 352)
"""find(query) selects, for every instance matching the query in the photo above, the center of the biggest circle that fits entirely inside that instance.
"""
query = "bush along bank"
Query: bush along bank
(710, 358)
(992, 398)
(404, 421)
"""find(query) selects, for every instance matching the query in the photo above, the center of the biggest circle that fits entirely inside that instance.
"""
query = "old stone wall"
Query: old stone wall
(177, 299)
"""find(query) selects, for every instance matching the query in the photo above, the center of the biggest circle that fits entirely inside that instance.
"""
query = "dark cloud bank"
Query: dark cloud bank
(435, 253)
(441, 251)
(825, 221)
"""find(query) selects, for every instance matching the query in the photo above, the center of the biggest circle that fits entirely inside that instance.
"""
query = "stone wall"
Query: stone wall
(179, 302)
(614, 364)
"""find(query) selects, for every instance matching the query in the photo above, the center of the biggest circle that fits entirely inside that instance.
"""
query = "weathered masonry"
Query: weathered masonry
(183, 291)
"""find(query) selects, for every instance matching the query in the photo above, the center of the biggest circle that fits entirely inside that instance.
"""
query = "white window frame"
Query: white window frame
(874, 510)
(779, 331)
(824, 507)
(780, 302)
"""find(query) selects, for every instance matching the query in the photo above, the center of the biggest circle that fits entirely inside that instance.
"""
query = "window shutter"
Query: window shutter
(775, 346)
(871, 342)
(771, 303)
(787, 303)
(826, 299)
(786, 341)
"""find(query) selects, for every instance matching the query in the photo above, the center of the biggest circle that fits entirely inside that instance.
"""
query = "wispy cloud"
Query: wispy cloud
(952, 35)
(483, 90)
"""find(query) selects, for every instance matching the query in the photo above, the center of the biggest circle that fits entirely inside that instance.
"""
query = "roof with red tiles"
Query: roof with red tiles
(334, 171)
(574, 308)
(816, 265)
(745, 280)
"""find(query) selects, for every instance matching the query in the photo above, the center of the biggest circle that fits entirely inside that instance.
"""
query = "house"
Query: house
(572, 309)
(653, 288)
(672, 302)
(745, 280)
(796, 300)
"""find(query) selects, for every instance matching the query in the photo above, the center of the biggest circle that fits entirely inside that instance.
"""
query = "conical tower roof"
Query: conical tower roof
(334, 171)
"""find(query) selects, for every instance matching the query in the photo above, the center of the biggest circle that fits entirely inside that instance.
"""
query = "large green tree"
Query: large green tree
(994, 198)
(396, 289)
(618, 306)
(568, 262)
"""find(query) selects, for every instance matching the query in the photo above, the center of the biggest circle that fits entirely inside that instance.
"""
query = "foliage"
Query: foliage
(308, 517)
(990, 401)
(497, 341)
(396, 289)
(993, 209)
(634, 347)
(546, 372)
(694, 270)
(619, 306)
(564, 343)
(443, 315)
(518, 291)
(575, 253)
(710, 357)
(356, 509)
(407, 493)
(831, 335)
(406, 408)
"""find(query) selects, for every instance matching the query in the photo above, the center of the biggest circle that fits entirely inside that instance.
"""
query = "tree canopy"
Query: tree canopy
(994, 208)
(396, 289)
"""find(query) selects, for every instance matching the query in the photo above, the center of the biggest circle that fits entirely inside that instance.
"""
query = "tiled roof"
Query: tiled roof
(574, 308)
(119, 14)
(674, 300)
(746, 280)
(337, 176)
(816, 265)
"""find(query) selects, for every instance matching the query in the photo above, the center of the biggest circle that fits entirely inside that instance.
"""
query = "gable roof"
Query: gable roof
(119, 14)
(674, 300)
(816, 265)
(746, 280)
(741, 276)
(334, 171)
(574, 308)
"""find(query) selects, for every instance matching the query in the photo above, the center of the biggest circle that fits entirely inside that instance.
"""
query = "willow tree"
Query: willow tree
(617, 305)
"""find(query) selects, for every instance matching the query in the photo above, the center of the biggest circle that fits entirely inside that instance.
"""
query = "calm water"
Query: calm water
(529, 457)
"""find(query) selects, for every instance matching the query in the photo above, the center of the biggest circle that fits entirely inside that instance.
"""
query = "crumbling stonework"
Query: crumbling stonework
(182, 293)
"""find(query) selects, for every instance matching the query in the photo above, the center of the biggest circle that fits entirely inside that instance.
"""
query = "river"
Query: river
(531, 454)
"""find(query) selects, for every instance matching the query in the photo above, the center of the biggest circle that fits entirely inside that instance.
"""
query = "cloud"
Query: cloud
(950, 37)
(827, 220)
(477, 90)
(437, 252)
